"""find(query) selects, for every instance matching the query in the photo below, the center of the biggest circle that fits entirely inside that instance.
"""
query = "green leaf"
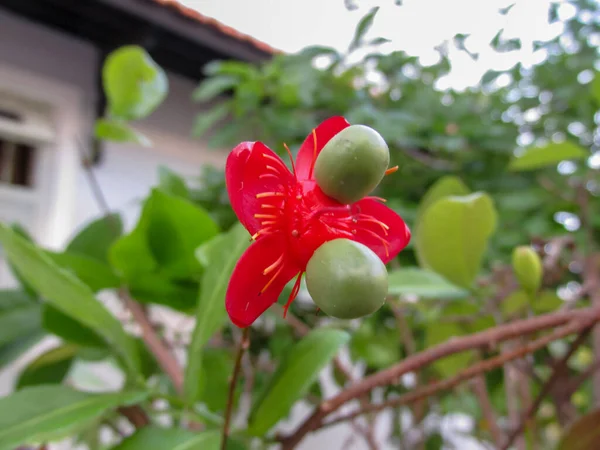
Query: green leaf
(68, 294)
(206, 120)
(596, 87)
(583, 434)
(19, 316)
(421, 282)
(515, 302)
(56, 322)
(134, 84)
(45, 413)
(118, 131)
(171, 183)
(439, 332)
(213, 87)
(546, 301)
(363, 28)
(294, 376)
(539, 157)
(13, 350)
(96, 237)
(378, 347)
(222, 256)
(171, 439)
(157, 288)
(17, 228)
(217, 366)
(95, 274)
(447, 186)
(165, 238)
(49, 368)
(453, 236)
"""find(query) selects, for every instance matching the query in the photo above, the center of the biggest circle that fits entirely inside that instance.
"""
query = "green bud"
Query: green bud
(352, 164)
(346, 279)
(527, 266)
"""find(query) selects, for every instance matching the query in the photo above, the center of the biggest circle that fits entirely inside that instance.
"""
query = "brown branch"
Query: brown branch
(136, 415)
(592, 284)
(473, 371)
(558, 371)
(166, 360)
(244, 344)
(482, 339)
(480, 391)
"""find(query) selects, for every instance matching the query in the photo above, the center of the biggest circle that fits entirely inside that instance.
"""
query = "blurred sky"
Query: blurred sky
(415, 27)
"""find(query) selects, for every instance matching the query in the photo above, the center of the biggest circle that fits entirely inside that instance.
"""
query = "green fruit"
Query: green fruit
(528, 269)
(346, 279)
(352, 163)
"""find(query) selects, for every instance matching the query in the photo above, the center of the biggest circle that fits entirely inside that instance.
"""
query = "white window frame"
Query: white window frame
(59, 162)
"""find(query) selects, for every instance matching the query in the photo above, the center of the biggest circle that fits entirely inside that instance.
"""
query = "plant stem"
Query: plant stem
(244, 344)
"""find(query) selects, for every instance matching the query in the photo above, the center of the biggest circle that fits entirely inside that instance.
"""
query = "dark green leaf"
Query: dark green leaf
(213, 87)
(294, 376)
(49, 368)
(583, 434)
(96, 237)
(159, 289)
(47, 413)
(19, 316)
(171, 183)
(133, 83)
(206, 120)
(363, 28)
(421, 282)
(63, 326)
(210, 315)
(94, 273)
(453, 236)
(217, 365)
(164, 240)
(539, 157)
(17, 228)
(172, 439)
(13, 350)
(118, 131)
(68, 294)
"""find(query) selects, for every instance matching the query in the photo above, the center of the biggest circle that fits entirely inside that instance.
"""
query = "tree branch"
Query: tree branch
(244, 344)
(486, 338)
(473, 371)
(155, 344)
(559, 370)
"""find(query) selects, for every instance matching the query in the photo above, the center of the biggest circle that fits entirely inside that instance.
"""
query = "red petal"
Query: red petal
(374, 236)
(244, 300)
(245, 164)
(306, 155)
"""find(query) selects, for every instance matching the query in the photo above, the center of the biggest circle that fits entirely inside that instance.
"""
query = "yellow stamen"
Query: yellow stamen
(267, 175)
(265, 216)
(291, 158)
(271, 280)
(269, 194)
(274, 169)
(273, 266)
(264, 205)
(271, 157)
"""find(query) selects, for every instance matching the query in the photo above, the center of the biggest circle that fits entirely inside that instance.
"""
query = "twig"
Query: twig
(559, 369)
(482, 339)
(480, 391)
(155, 344)
(244, 344)
(473, 371)
(136, 415)
(153, 341)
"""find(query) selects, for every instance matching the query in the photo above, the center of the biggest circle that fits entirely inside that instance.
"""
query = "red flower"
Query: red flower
(289, 217)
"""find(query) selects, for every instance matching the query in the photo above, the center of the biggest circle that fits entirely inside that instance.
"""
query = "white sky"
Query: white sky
(416, 27)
